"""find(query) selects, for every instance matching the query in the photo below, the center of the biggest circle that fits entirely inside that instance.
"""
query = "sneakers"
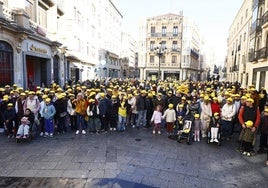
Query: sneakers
(211, 140)
(133, 126)
(46, 134)
(248, 154)
(83, 132)
(77, 132)
(159, 132)
(216, 140)
(114, 129)
(18, 136)
(51, 135)
(111, 129)
(41, 134)
(153, 131)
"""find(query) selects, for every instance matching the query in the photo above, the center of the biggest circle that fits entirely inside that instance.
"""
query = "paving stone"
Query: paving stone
(137, 178)
(96, 173)
(75, 173)
(154, 182)
(68, 166)
(49, 173)
(23, 173)
(44, 165)
(92, 166)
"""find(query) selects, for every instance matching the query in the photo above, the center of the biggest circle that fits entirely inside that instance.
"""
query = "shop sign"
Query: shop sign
(39, 50)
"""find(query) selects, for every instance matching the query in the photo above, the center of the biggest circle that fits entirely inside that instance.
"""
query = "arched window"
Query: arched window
(6, 63)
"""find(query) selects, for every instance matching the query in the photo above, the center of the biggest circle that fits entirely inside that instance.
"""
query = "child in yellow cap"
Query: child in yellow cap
(197, 124)
(170, 117)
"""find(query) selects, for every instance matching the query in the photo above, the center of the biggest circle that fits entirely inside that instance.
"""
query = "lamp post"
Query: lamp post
(159, 51)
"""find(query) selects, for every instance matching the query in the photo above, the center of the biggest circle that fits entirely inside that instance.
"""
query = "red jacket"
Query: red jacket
(215, 107)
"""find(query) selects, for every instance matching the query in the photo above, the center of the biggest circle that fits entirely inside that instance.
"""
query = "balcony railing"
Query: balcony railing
(256, 26)
(262, 53)
(265, 18)
(8, 14)
(252, 56)
(194, 54)
(169, 34)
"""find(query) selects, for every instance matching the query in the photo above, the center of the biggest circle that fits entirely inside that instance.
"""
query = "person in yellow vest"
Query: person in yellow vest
(122, 114)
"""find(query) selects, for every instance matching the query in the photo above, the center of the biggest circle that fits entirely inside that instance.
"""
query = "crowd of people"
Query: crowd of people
(101, 106)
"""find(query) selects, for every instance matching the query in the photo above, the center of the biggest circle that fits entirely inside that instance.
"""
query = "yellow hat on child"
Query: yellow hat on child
(196, 115)
(249, 123)
(170, 105)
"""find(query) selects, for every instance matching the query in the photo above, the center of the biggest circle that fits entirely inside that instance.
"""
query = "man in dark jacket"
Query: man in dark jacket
(9, 119)
(104, 107)
(141, 109)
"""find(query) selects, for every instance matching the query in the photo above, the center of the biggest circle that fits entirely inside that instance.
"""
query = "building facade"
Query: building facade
(28, 57)
(247, 60)
(238, 45)
(192, 59)
(169, 48)
(257, 68)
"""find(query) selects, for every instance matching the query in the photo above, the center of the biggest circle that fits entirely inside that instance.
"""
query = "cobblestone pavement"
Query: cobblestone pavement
(135, 158)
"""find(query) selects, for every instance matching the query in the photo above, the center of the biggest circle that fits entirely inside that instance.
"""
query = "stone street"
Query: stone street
(135, 158)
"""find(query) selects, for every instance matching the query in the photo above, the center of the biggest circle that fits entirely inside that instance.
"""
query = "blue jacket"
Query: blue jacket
(49, 111)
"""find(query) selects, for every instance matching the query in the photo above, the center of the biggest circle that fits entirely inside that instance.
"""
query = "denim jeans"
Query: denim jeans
(141, 118)
(49, 126)
(92, 123)
(80, 121)
(121, 123)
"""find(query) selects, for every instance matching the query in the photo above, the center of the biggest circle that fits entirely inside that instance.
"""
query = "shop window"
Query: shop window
(6, 63)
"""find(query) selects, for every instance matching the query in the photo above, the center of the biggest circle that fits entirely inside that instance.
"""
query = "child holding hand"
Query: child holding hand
(156, 119)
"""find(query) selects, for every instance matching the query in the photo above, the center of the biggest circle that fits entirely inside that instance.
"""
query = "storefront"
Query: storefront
(37, 64)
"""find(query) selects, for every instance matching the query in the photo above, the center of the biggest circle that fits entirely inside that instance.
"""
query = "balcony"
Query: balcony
(252, 56)
(262, 53)
(194, 54)
(8, 14)
(265, 19)
(168, 34)
(261, 2)
(256, 26)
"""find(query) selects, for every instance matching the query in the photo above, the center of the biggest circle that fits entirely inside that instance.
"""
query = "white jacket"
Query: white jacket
(170, 115)
(228, 112)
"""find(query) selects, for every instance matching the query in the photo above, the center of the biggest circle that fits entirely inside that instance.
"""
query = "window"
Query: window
(163, 44)
(174, 45)
(152, 43)
(245, 36)
(163, 59)
(6, 63)
(175, 31)
(246, 13)
(174, 59)
(151, 59)
(42, 16)
(164, 30)
(153, 30)
(29, 8)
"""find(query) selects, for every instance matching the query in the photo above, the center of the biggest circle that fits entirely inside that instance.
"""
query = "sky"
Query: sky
(213, 17)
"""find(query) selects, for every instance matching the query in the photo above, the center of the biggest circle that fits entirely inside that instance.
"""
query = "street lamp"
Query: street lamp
(159, 51)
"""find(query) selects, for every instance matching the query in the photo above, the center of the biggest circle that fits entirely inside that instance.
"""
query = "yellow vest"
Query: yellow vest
(122, 111)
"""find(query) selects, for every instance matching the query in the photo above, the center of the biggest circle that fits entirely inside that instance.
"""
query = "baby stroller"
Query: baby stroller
(186, 132)
(33, 129)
